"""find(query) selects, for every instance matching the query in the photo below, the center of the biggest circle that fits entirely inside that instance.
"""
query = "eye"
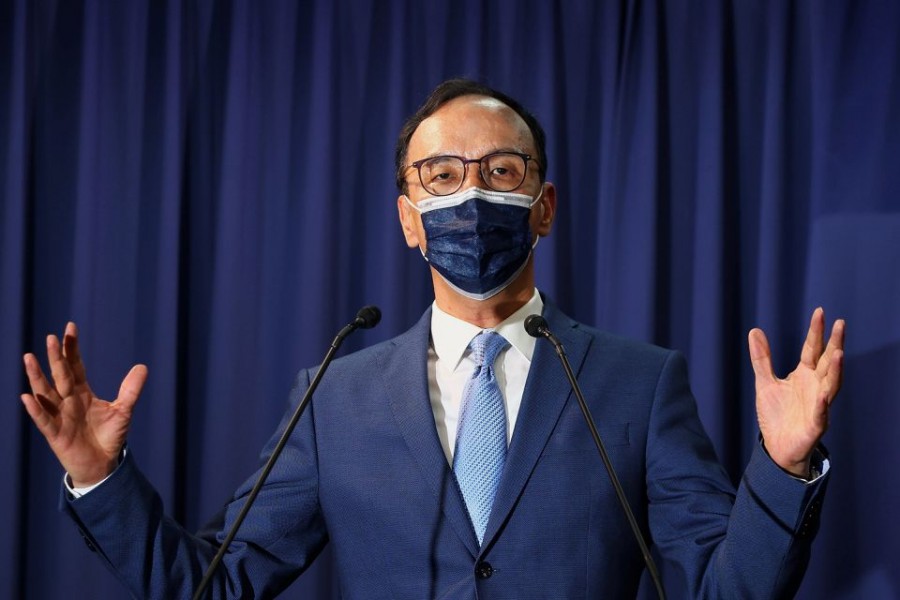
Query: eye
(504, 169)
(442, 171)
(442, 174)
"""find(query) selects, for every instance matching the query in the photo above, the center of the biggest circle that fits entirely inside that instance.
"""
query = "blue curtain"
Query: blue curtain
(207, 187)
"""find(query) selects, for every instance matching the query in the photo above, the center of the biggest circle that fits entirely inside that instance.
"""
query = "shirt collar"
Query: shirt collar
(450, 336)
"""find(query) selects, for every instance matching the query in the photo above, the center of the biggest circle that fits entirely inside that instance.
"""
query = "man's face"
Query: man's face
(472, 127)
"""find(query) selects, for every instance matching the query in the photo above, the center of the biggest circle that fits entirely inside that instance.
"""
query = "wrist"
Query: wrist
(90, 477)
(797, 467)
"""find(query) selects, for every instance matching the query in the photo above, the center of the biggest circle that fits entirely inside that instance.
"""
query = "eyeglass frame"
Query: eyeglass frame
(466, 162)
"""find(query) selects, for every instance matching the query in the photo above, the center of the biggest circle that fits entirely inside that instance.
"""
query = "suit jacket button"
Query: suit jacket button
(483, 570)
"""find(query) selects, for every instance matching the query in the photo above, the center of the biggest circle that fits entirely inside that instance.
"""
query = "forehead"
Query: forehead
(470, 126)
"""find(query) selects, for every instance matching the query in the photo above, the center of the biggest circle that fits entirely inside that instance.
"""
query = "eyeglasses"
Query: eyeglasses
(500, 171)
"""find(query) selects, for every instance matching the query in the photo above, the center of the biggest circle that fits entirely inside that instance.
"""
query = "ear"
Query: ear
(408, 222)
(548, 204)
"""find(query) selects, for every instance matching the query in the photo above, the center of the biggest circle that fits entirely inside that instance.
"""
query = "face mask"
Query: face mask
(479, 240)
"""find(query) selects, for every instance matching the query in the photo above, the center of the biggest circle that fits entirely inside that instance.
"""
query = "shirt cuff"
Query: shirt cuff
(818, 467)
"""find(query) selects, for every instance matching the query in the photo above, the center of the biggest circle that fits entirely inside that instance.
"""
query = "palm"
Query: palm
(87, 428)
(793, 412)
(85, 432)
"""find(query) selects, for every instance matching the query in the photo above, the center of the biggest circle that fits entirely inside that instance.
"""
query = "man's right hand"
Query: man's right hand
(86, 433)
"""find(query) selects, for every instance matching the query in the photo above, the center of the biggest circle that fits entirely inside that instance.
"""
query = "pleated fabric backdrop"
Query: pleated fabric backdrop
(207, 187)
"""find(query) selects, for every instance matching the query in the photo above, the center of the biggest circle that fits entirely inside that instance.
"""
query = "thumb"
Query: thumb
(131, 387)
(760, 355)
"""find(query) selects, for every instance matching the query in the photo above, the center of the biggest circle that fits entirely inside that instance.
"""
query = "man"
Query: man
(452, 461)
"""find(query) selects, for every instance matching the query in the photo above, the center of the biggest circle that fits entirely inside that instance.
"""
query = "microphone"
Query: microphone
(366, 318)
(537, 327)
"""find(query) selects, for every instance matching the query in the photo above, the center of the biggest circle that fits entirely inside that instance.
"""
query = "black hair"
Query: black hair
(444, 93)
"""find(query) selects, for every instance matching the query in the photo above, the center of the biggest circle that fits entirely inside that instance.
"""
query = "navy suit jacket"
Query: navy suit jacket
(365, 472)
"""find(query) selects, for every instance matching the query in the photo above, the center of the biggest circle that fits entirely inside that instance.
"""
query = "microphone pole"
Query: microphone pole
(366, 318)
(536, 326)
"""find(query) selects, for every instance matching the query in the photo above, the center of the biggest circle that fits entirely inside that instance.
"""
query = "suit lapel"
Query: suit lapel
(405, 373)
(546, 392)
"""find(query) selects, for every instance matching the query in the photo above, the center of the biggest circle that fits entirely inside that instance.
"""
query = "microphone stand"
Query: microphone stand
(536, 326)
(366, 318)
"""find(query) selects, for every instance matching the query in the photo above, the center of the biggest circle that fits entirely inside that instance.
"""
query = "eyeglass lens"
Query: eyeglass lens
(444, 175)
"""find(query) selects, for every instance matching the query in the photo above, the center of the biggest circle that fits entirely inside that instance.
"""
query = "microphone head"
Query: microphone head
(368, 317)
(536, 325)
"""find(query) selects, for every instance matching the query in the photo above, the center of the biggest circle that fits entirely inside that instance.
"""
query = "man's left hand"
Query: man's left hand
(793, 412)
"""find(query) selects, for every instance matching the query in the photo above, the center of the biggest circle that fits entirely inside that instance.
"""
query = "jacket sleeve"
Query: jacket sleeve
(124, 521)
(752, 543)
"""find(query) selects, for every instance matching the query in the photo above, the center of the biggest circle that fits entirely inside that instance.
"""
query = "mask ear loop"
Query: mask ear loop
(537, 236)
(411, 205)
(538, 197)
(418, 210)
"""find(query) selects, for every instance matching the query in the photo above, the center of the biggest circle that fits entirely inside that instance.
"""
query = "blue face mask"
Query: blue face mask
(479, 240)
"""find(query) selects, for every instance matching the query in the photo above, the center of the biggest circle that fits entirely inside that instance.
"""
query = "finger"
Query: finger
(40, 386)
(812, 347)
(835, 343)
(131, 387)
(73, 354)
(41, 417)
(834, 378)
(59, 368)
(760, 355)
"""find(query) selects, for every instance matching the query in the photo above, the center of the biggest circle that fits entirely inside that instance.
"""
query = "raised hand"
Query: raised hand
(793, 412)
(85, 432)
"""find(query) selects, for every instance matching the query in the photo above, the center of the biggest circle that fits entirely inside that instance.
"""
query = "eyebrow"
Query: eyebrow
(494, 151)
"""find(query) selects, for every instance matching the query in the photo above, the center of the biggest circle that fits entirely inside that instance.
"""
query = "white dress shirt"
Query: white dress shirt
(450, 367)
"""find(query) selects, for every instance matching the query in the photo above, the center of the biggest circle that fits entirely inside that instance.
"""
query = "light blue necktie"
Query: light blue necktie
(481, 438)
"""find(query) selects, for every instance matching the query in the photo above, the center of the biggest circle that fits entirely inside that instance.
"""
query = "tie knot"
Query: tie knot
(486, 346)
